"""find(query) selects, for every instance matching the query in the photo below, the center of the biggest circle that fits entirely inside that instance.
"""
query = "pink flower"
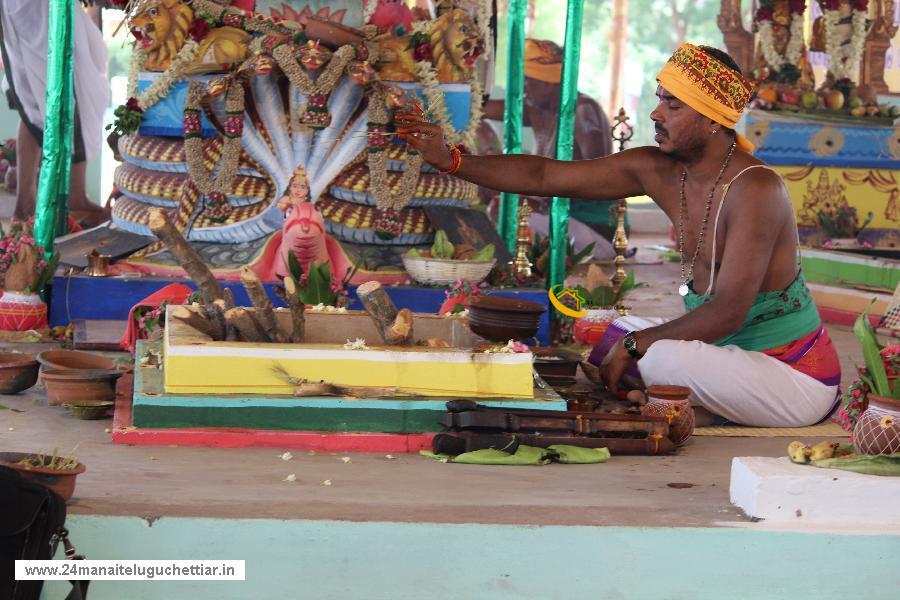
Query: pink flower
(889, 351)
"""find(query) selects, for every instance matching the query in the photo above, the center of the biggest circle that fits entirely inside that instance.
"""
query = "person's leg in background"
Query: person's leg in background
(28, 160)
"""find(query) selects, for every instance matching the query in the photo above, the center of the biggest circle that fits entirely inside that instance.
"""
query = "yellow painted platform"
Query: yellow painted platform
(197, 366)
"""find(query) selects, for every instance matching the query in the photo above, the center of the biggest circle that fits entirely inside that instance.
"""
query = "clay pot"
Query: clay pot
(671, 402)
(501, 319)
(877, 429)
(61, 482)
(74, 360)
(72, 386)
(18, 372)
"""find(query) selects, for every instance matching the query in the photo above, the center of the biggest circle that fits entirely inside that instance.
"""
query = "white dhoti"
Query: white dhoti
(25, 39)
(745, 387)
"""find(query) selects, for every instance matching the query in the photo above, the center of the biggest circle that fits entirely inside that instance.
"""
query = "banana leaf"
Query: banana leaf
(872, 353)
(884, 465)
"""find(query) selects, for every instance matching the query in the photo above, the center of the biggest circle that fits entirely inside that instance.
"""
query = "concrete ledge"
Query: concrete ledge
(778, 490)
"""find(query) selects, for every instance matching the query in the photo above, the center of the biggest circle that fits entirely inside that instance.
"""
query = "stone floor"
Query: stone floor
(180, 481)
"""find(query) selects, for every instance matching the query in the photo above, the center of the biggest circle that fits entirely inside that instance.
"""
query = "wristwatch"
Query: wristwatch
(631, 345)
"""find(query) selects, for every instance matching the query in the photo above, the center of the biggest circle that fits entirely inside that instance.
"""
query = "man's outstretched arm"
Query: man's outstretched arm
(605, 178)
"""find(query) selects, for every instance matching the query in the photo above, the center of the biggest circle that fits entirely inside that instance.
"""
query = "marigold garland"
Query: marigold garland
(377, 161)
(318, 90)
(214, 188)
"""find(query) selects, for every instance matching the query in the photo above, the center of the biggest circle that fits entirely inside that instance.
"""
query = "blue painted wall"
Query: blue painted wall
(373, 560)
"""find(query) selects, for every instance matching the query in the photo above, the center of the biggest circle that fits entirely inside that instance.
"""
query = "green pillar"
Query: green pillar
(507, 220)
(53, 186)
(565, 139)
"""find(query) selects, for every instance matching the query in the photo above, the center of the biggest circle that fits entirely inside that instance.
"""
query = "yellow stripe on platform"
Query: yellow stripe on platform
(823, 430)
(475, 377)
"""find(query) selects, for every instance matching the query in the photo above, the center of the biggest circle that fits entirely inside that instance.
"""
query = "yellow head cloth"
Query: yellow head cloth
(708, 86)
(543, 61)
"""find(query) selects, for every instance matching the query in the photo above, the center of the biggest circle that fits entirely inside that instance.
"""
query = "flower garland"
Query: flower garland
(794, 49)
(843, 58)
(483, 18)
(369, 8)
(437, 106)
(318, 90)
(379, 138)
(214, 188)
(242, 19)
(163, 84)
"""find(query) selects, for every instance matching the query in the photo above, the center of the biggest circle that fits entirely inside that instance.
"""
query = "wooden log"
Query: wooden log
(220, 308)
(162, 227)
(194, 319)
(216, 317)
(379, 306)
(228, 297)
(249, 328)
(400, 331)
(264, 312)
(298, 311)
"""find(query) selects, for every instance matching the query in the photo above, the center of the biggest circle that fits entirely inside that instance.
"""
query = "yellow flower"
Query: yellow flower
(886, 422)
(827, 142)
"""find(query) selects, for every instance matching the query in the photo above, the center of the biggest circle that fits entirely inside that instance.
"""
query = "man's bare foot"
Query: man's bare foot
(704, 418)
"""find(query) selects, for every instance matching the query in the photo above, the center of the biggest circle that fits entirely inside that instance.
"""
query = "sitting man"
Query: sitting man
(751, 346)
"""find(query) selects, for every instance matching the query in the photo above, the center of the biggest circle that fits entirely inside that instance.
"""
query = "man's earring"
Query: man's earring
(715, 131)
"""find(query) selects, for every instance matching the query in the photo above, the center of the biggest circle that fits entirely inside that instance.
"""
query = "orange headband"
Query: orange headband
(708, 86)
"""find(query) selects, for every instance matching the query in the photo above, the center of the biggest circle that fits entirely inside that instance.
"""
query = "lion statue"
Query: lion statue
(455, 43)
(162, 26)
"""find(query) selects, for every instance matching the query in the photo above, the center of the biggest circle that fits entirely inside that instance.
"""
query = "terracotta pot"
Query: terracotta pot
(18, 372)
(553, 362)
(125, 385)
(671, 402)
(877, 429)
(61, 482)
(71, 386)
(499, 319)
(74, 360)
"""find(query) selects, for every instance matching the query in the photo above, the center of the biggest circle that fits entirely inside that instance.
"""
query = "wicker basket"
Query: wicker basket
(439, 271)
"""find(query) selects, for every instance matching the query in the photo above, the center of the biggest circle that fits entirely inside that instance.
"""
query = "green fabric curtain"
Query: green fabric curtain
(507, 220)
(53, 187)
(565, 139)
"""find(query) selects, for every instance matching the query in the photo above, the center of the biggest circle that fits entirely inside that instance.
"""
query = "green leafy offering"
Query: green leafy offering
(442, 248)
(486, 253)
(606, 296)
(872, 353)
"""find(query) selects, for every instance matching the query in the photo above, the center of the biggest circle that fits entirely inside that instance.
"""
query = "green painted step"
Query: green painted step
(845, 269)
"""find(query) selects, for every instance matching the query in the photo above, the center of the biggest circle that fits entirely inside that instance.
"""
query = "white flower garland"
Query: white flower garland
(369, 7)
(792, 52)
(437, 106)
(163, 84)
(483, 18)
(843, 58)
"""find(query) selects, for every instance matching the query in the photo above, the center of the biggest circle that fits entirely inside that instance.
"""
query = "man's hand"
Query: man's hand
(615, 366)
(426, 138)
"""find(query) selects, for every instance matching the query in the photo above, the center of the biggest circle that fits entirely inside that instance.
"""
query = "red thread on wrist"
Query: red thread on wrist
(456, 158)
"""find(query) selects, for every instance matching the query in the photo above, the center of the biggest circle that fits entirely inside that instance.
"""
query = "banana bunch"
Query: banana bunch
(801, 453)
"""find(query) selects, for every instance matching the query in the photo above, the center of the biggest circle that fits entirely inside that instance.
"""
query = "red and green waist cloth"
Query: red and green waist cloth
(782, 324)
(786, 326)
